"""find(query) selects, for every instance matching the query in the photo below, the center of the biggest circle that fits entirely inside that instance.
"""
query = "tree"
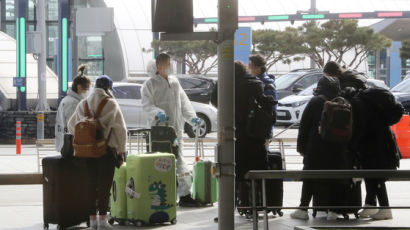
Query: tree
(405, 50)
(333, 39)
(277, 46)
(195, 54)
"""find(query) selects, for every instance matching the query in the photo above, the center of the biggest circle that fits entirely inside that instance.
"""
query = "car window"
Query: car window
(308, 80)
(283, 82)
(127, 92)
(308, 91)
(403, 86)
(192, 83)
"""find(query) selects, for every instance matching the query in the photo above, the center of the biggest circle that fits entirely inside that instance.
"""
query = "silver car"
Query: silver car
(128, 96)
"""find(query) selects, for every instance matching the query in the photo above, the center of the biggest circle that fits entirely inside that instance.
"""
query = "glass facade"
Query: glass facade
(381, 63)
(89, 48)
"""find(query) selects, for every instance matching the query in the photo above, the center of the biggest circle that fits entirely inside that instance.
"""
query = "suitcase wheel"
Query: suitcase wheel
(138, 223)
(121, 222)
(249, 214)
(346, 216)
(174, 221)
(88, 223)
(357, 215)
(45, 226)
(314, 213)
(280, 213)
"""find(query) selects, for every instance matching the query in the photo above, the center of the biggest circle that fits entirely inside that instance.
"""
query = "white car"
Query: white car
(128, 96)
(290, 108)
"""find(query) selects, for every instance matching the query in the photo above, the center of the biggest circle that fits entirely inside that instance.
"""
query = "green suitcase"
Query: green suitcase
(118, 199)
(205, 185)
(151, 188)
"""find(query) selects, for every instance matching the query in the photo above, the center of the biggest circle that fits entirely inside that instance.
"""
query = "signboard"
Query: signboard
(18, 82)
(243, 42)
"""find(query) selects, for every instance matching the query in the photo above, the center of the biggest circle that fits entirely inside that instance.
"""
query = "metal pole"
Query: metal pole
(254, 209)
(227, 25)
(312, 10)
(265, 211)
(42, 71)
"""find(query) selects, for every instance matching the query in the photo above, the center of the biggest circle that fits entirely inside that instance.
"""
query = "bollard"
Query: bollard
(18, 137)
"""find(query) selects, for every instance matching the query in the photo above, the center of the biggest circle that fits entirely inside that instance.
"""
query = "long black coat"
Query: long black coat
(318, 154)
(374, 140)
(250, 153)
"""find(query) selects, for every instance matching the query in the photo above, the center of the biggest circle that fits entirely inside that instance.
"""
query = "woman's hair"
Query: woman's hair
(258, 61)
(240, 69)
(332, 69)
(328, 86)
(81, 79)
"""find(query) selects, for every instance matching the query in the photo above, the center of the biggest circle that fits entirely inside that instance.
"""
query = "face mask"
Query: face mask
(169, 70)
(84, 94)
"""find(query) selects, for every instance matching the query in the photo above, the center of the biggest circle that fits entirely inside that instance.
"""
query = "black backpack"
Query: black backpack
(261, 117)
(336, 123)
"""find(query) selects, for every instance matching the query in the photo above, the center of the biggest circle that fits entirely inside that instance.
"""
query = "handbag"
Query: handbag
(67, 150)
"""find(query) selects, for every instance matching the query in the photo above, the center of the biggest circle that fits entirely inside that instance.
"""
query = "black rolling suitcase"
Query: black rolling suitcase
(66, 192)
(274, 190)
(163, 139)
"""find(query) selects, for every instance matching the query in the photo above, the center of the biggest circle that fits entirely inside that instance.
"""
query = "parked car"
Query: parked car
(296, 81)
(402, 93)
(290, 108)
(128, 96)
(197, 88)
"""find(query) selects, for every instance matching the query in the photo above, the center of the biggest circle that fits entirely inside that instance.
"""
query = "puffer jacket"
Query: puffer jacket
(65, 111)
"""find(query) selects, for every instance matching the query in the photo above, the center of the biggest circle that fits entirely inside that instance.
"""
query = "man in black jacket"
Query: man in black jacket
(250, 153)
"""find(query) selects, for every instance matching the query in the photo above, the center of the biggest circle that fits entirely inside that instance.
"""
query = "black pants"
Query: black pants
(376, 190)
(102, 174)
(307, 194)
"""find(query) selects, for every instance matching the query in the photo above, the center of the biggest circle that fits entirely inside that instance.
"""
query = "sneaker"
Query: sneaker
(383, 214)
(104, 225)
(300, 214)
(366, 213)
(187, 201)
(331, 216)
(93, 224)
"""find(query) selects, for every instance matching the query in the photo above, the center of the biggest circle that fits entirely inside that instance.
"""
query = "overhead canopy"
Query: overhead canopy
(395, 29)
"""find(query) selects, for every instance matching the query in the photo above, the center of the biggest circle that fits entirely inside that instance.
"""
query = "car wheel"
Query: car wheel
(203, 130)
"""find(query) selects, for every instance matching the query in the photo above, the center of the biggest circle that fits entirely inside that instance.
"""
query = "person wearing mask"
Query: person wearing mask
(164, 98)
(102, 169)
(250, 152)
(317, 153)
(78, 91)
(257, 68)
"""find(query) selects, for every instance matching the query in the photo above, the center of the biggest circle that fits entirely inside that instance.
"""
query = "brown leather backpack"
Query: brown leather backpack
(89, 138)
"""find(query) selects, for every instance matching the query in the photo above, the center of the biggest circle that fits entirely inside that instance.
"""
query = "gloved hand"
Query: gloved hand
(196, 121)
(162, 117)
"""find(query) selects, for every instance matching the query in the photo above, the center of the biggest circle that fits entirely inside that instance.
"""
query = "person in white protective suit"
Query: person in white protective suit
(164, 98)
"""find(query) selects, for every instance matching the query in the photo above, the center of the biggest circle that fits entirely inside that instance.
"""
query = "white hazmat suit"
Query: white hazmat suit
(166, 95)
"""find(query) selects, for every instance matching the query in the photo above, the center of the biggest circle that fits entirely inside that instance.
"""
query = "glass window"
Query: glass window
(31, 10)
(52, 10)
(9, 9)
(52, 34)
(308, 91)
(11, 30)
(91, 47)
(308, 80)
(95, 67)
(127, 92)
(403, 86)
(287, 80)
(191, 83)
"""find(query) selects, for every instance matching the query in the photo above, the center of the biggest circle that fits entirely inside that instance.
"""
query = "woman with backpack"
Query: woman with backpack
(317, 153)
(114, 132)
(77, 92)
